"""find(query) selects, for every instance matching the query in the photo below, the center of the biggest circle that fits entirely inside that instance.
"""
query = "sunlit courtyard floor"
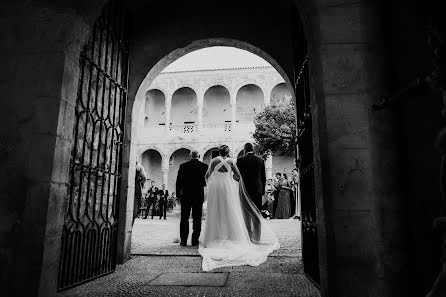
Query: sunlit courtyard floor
(161, 237)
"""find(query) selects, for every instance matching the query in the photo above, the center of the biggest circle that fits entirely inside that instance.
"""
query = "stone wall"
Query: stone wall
(363, 215)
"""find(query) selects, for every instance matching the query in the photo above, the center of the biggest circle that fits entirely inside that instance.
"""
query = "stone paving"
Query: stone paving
(159, 267)
(161, 237)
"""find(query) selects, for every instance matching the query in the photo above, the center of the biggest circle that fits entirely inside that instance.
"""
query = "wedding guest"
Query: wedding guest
(152, 194)
(162, 201)
(276, 190)
(270, 199)
(283, 210)
(170, 202)
(140, 179)
(175, 199)
(295, 187)
(292, 200)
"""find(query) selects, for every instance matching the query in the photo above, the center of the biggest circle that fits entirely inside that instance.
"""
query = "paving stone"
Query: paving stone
(278, 276)
(191, 279)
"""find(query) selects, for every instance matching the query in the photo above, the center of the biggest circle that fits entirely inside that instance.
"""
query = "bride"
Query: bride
(235, 232)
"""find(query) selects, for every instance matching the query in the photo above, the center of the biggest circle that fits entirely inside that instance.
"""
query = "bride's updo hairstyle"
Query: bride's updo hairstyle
(223, 150)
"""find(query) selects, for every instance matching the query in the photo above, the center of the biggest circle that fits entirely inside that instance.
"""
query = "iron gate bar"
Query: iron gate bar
(88, 247)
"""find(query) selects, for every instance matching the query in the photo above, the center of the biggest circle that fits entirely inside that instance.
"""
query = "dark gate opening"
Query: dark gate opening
(310, 249)
(89, 236)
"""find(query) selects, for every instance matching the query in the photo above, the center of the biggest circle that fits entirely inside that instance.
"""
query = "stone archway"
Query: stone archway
(152, 161)
(183, 106)
(155, 107)
(216, 105)
(250, 99)
(343, 66)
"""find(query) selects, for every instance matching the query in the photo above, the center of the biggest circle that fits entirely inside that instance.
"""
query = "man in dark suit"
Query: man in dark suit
(252, 169)
(189, 189)
(152, 194)
(163, 194)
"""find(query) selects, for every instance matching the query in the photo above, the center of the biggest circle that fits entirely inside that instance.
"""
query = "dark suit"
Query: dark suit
(189, 188)
(152, 198)
(252, 169)
(162, 202)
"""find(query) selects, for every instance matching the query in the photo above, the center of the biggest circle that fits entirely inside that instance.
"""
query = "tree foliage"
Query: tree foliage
(275, 128)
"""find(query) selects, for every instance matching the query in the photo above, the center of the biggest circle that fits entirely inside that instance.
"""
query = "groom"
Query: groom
(252, 170)
(189, 189)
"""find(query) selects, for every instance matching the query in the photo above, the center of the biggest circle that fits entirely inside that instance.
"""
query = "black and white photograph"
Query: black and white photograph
(288, 148)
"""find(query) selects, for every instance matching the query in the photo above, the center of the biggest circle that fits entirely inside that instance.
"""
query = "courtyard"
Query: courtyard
(160, 267)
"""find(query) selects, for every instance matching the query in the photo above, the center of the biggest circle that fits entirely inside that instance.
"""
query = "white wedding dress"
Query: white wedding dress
(235, 232)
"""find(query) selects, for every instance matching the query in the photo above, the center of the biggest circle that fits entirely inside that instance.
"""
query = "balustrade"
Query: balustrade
(184, 129)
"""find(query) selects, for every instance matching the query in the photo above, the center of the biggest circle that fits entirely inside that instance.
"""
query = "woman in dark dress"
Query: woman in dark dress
(283, 210)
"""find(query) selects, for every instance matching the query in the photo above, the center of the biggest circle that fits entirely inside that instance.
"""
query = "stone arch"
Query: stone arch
(152, 161)
(150, 147)
(217, 82)
(183, 107)
(216, 105)
(279, 91)
(62, 50)
(155, 107)
(185, 84)
(245, 82)
(250, 99)
(177, 147)
(335, 50)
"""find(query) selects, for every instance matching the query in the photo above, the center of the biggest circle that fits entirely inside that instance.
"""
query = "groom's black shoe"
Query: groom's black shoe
(183, 244)
(195, 243)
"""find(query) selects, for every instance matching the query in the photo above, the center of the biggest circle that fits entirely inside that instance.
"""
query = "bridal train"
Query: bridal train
(235, 232)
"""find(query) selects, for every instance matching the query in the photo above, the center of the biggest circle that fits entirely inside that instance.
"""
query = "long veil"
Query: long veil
(258, 228)
(226, 241)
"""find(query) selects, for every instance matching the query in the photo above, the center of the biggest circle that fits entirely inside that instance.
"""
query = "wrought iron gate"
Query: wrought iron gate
(88, 248)
(310, 249)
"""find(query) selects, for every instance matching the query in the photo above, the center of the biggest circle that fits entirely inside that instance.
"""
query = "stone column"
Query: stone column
(168, 107)
(233, 100)
(269, 167)
(200, 99)
(267, 95)
(165, 168)
(165, 175)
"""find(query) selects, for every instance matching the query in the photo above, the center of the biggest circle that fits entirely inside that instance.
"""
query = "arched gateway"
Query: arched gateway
(73, 128)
